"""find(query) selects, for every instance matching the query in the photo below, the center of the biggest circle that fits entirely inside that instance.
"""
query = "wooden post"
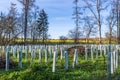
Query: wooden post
(117, 57)
(20, 58)
(96, 51)
(14, 51)
(7, 58)
(45, 55)
(75, 59)
(54, 62)
(3, 48)
(111, 62)
(100, 50)
(26, 55)
(32, 55)
(56, 49)
(105, 50)
(0, 50)
(40, 56)
(30, 48)
(109, 67)
(17, 51)
(86, 53)
(114, 60)
(91, 52)
(50, 52)
(66, 60)
(61, 51)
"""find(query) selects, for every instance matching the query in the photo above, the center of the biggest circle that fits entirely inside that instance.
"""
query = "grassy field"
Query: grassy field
(86, 70)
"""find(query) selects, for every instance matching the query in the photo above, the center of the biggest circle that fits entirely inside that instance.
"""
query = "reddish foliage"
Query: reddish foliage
(81, 50)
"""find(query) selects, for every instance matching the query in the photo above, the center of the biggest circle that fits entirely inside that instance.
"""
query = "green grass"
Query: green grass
(86, 70)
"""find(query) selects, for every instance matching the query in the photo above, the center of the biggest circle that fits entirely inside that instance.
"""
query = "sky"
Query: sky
(59, 14)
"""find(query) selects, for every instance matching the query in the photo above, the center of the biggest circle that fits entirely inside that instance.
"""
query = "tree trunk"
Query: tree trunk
(99, 20)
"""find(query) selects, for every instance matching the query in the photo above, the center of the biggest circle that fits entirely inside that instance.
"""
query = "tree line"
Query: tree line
(90, 17)
(93, 16)
(30, 23)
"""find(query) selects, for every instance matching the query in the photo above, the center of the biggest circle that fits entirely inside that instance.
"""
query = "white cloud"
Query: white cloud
(60, 26)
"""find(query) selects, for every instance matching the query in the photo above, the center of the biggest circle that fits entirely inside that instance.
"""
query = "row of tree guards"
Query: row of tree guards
(109, 51)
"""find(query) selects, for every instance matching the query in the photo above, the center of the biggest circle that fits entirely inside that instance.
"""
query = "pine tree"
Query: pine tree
(42, 27)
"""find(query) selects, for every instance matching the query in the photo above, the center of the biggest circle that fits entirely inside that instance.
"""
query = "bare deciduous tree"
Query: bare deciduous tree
(33, 22)
(63, 39)
(111, 21)
(27, 4)
(76, 15)
(89, 27)
(72, 33)
(8, 26)
(96, 7)
(117, 8)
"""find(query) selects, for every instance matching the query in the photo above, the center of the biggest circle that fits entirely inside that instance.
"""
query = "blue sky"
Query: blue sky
(59, 14)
